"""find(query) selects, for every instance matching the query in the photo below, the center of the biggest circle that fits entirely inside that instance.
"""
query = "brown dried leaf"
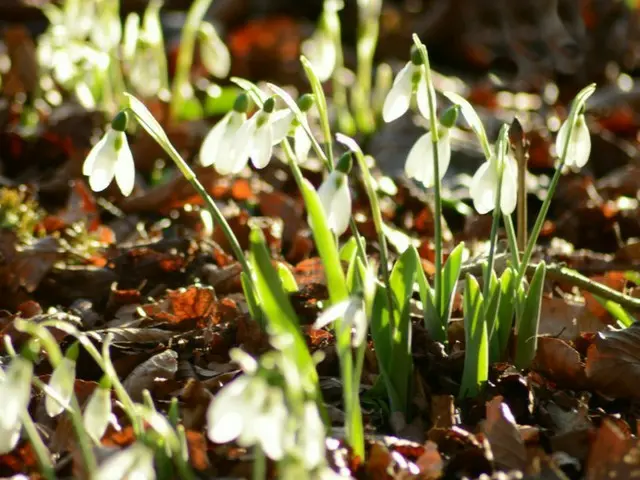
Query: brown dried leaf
(609, 451)
(164, 365)
(502, 432)
(613, 362)
(560, 362)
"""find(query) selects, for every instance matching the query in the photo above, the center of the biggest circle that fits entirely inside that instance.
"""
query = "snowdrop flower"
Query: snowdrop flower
(579, 146)
(62, 381)
(485, 183)
(311, 437)
(250, 411)
(411, 78)
(259, 134)
(419, 164)
(111, 157)
(218, 147)
(320, 48)
(213, 52)
(335, 196)
(353, 314)
(301, 141)
(15, 391)
(135, 461)
(97, 412)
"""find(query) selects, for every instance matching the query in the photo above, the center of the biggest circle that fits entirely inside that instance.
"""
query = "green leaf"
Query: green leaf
(491, 316)
(527, 333)
(288, 280)
(476, 358)
(257, 95)
(450, 276)
(283, 323)
(348, 249)
(432, 322)
(624, 318)
(502, 329)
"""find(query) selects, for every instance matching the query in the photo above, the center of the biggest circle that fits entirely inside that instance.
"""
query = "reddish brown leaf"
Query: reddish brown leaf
(560, 362)
(502, 432)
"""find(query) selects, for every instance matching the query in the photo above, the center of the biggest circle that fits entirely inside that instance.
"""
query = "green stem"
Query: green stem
(259, 471)
(437, 221)
(38, 446)
(185, 55)
(513, 242)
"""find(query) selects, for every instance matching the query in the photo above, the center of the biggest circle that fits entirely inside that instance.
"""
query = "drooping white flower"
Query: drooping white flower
(61, 382)
(213, 52)
(111, 157)
(301, 144)
(218, 148)
(485, 183)
(411, 78)
(15, 392)
(354, 317)
(97, 412)
(419, 164)
(579, 146)
(311, 439)
(320, 48)
(335, 197)
(135, 461)
(256, 137)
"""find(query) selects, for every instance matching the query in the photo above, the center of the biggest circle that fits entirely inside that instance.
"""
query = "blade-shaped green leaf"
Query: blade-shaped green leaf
(288, 280)
(450, 275)
(348, 249)
(252, 300)
(504, 325)
(476, 358)
(491, 316)
(527, 342)
(432, 321)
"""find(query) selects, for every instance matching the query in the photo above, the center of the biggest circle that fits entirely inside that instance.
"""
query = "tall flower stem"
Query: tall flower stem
(437, 216)
(185, 55)
(38, 446)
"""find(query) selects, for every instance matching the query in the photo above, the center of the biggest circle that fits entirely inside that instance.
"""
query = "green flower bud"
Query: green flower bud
(306, 101)
(269, 105)
(119, 122)
(345, 163)
(73, 351)
(449, 116)
(241, 105)
(105, 382)
(416, 57)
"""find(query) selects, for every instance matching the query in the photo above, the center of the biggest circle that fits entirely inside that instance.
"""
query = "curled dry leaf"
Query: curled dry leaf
(560, 362)
(612, 450)
(502, 432)
(161, 366)
(613, 362)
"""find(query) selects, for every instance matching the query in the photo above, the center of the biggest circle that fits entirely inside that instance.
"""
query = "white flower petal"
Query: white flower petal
(97, 413)
(211, 144)
(509, 191)
(483, 188)
(62, 382)
(103, 168)
(331, 314)
(302, 144)
(444, 152)
(90, 161)
(215, 56)
(582, 142)
(419, 163)
(561, 139)
(271, 425)
(9, 439)
(225, 416)
(134, 462)
(237, 148)
(312, 436)
(15, 391)
(399, 97)
(321, 53)
(341, 207)
(280, 124)
(360, 324)
(125, 170)
(422, 97)
(261, 147)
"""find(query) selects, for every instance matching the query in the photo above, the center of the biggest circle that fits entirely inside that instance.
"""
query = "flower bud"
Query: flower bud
(241, 105)
(306, 101)
(269, 105)
(449, 116)
(120, 121)
(345, 163)
(416, 57)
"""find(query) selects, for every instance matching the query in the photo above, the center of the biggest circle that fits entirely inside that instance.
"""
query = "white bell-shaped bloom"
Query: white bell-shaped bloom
(485, 184)
(311, 439)
(579, 146)
(62, 381)
(250, 411)
(135, 461)
(109, 158)
(145, 72)
(354, 317)
(398, 99)
(213, 52)
(15, 392)
(257, 136)
(335, 197)
(321, 53)
(219, 145)
(419, 164)
(97, 413)
(301, 144)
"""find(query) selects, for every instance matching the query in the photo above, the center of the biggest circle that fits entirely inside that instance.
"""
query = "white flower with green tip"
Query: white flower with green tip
(213, 52)
(412, 77)
(320, 48)
(579, 147)
(135, 461)
(111, 158)
(352, 312)
(15, 391)
(97, 412)
(485, 183)
(61, 382)
(335, 196)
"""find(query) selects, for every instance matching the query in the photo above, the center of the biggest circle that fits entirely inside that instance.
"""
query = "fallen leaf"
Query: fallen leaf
(502, 432)
(164, 365)
(560, 362)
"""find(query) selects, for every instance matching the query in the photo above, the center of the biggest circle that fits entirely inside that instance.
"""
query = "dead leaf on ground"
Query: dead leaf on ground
(502, 432)
(560, 362)
(164, 365)
(613, 362)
